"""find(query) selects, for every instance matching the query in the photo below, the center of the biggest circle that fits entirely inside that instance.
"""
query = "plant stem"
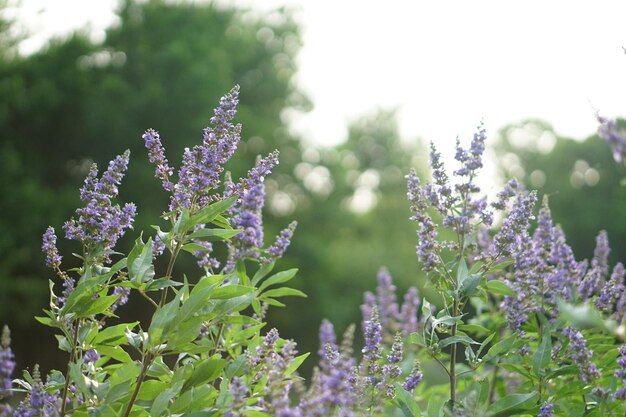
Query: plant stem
(67, 375)
(453, 356)
(145, 364)
(168, 273)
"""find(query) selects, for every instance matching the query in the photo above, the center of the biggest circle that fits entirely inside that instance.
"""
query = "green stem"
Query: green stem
(67, 375)
(145, 364)
(453, 352)
(170, 268)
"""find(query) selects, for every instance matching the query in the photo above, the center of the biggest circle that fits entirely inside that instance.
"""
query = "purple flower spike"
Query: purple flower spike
(49, 247)
(203, 164)
(7, 363)
(100, 222)
(608, 131)
(515, 224)
(581, 356)
(621, 373)
(246, 214)
(546, 410)
(407, 317)
(387, 306)
(283, 240)
(156, 155)
(414, 378)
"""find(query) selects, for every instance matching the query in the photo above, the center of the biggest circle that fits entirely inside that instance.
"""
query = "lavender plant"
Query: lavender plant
(517, 326)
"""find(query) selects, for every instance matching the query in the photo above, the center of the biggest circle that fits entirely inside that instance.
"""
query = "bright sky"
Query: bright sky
(444, 64)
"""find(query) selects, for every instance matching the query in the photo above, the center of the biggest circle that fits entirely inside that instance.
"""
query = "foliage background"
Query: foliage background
(76, 102)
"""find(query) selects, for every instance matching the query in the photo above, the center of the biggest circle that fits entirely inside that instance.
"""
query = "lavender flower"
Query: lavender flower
(156, 155)
(546, 410)
(608, 131)
(39, 402)
(516, 222)
(612, 290)
(283, 240)
(621, 373)
(205, 260)
(581, 356)
(414, 378)
(373, 337)
(91, 356)
(7, 363)
(387, 306)
(407, 317)
(123, 292)
(246, 214)
(596, 276)
(203, 164)
(49, 247)
(239, 392)
(327, 339)
(428, 247)
(100, 222)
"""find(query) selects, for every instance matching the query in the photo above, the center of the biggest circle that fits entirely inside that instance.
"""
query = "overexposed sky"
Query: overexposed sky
(444, 65)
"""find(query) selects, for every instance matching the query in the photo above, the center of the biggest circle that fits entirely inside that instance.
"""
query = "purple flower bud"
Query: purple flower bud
(156, 155)
(7, 363)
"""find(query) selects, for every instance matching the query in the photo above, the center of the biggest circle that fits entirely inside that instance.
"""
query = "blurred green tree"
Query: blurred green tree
(580, 178)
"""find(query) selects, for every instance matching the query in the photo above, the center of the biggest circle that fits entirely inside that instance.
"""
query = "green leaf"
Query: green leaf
(211, 235)
(465, 340)
(541, 358)
(406, 402)
(161, 321)
(230, 291)
(114, 335)
(513, 404)
(470, 284)
(485, 343)
(277, 278)
(499, 267)
(97, 306)
(159, 284)
(503, 345)
(295, 363)
(140, 268)
(210, 213)
(462, 273)
(205, 371)
(499, 287)
(163, 399)
(115, 352)
(584, 316)
(262, 272)
(283, 292)
(435, 406)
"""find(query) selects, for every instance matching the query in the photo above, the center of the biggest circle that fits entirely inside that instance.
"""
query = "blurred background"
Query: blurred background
(350, 94)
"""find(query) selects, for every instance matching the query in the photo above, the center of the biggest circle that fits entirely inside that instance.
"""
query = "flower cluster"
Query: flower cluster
(39, 402)
(202, 165)
(608, 131)
(7, 363)
(246, 214)
(459, 208)
(393, 319)
(621, 373)
(99, 223)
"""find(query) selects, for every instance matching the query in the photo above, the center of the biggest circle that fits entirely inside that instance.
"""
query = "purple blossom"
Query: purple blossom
(407, 318)
(373, 337)
(612, 290)
(91, 356)
(621, 373)
(428, 247)
(124, 293)
(39, 402)
(581, 356)
(414, 378)
(327, 339)
(203, 256)
(7, 363)
(247, 211)
(387, 305)
(100, 222)
(49, 247)
(608, 131)
(156, 155)
(239, 392)
(514, 225)
(203, 164)
(283, 240)
(546, 410)
(596, 276)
